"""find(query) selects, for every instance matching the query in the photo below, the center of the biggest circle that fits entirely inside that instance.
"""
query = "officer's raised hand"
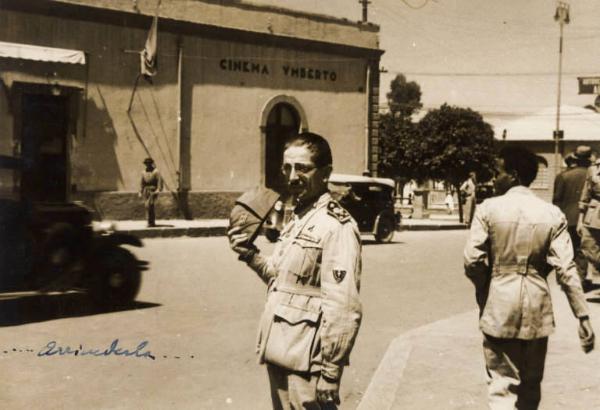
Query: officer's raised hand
(238, 242)
(328, 391)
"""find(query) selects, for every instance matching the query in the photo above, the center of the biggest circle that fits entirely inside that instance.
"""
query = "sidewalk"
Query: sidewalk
(441, 365)
(218, 227)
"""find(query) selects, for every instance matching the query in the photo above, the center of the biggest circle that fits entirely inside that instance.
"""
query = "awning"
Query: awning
(39, 53)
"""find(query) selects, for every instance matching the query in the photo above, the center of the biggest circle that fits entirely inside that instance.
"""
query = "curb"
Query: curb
(206, 231)
(432, 227)
(177, 232)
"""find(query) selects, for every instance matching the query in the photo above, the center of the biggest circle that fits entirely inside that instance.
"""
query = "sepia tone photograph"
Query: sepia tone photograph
(299, 204)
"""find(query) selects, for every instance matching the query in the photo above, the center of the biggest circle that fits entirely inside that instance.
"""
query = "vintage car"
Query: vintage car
(51, 246)
(369, 200)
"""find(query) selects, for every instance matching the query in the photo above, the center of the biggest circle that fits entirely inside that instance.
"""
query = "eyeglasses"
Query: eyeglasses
(299, 168)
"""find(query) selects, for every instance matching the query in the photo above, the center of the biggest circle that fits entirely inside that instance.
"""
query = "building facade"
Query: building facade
(233, 82)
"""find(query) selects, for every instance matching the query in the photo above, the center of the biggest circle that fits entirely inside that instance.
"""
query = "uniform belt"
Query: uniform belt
(523, 270)
(299, 290)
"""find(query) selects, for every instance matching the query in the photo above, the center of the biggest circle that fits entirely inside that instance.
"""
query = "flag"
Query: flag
(149, 63)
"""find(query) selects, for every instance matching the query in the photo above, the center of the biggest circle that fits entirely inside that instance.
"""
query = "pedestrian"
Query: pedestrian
(568, 187)
(313, 312)
(449, 201)
(515, 241)
(588, 224)
(151, 184)
(467, 193)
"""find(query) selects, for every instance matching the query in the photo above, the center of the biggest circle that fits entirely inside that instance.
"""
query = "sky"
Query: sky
(499, 57)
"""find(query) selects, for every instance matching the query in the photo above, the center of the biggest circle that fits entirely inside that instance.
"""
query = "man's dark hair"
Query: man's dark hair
(522, 162)
(316, 144)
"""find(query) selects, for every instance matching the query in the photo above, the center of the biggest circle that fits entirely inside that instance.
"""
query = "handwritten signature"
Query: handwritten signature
(52, 349)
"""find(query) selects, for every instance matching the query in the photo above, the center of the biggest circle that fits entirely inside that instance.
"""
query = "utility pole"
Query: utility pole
(562, 17)
(365, 7)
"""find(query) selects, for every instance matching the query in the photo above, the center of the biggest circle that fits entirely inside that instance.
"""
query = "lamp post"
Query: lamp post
(562, 17)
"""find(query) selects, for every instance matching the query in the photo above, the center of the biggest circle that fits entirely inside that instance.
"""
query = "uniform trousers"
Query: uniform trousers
(515, 369)
(294, 391)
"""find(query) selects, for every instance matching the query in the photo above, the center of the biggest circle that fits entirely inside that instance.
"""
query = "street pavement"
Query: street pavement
(441, 366)
(418, 348)
(218, 227)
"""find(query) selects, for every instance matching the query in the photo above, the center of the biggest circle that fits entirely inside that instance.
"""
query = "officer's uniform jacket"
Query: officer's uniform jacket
(568, 187)
(313, 312)
(515, 241)
(150, 183)
(590, 194)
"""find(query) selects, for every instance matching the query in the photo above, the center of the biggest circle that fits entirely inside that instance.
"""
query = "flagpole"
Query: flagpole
(179, 111)
(135, 85)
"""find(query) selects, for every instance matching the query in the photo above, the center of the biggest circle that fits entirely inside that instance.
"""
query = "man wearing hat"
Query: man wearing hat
(568, 186)
(313, 311)
(151, 184)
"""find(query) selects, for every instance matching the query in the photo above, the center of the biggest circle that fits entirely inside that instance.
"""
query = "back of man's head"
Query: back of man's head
(316, 144)
(520, 162)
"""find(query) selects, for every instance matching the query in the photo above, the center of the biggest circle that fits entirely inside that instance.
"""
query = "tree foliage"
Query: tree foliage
(398, 144)
(404, 98)
(447, 144)
(454, 142)
(397, 132)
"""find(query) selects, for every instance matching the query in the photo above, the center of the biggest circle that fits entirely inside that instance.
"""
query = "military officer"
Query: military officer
(516, 240)
(151, 184)
(313, 312)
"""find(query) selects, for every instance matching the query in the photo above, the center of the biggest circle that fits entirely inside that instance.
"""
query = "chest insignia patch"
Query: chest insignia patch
(339, 275)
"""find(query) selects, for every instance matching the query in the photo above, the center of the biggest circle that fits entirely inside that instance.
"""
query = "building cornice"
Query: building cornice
(114, 12)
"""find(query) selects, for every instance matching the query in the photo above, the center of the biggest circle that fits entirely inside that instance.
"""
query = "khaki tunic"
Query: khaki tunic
(313, 312)
(515, 241)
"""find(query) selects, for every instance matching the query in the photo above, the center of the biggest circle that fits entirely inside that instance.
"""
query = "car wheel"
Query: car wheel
(386, 227)
(117, 278)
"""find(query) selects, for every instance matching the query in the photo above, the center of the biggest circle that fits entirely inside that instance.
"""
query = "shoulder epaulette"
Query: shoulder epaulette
(334, 209)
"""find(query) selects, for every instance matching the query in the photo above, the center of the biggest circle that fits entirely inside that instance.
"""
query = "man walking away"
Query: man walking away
(516, 240)
(567, 192)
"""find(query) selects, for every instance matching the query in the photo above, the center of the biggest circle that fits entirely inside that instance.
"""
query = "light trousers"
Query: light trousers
(294, 391)
(515, 369)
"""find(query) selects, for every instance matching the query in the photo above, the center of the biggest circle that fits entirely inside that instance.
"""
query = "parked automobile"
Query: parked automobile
(484, 191)
(52, 246)
(369, 200)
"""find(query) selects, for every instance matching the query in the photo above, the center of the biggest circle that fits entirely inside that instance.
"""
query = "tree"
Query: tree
(454, 142)
(397, 132)
(404, 97)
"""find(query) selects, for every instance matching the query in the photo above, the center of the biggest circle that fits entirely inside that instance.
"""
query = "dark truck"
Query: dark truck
(50, 246)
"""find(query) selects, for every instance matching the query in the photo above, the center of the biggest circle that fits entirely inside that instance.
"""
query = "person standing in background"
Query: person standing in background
(150, 185)
(467, 194)
(568, 187)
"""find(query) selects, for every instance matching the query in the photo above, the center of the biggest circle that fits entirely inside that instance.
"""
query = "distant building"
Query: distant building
(581, 126)
(233, 81)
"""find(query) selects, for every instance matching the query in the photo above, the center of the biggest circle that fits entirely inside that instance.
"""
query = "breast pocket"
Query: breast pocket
(304, 259)
(292, 337)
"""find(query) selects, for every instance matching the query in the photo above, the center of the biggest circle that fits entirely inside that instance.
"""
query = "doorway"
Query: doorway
(44, 127)
(283, 122)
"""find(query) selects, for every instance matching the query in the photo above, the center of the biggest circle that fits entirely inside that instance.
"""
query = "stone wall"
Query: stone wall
(127, 205)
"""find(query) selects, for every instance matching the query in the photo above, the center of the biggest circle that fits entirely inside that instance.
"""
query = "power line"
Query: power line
(491, 74)
(416, 7)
